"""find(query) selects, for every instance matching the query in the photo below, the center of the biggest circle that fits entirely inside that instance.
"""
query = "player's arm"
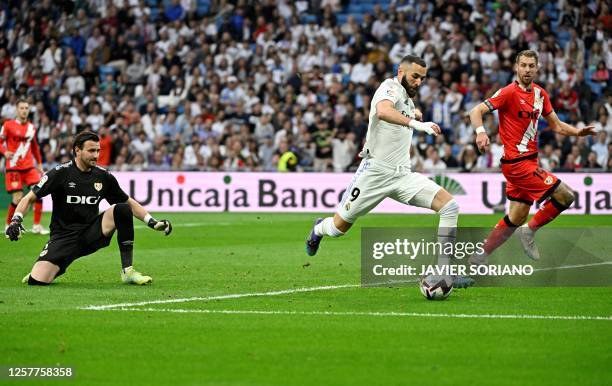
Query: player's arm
(36, 154)
(561, 127)
(476, 114)
(386, 112)
(141, 213)
(3, 148)
(15, 228)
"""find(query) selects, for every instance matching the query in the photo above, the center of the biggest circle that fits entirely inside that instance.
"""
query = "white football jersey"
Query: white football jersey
(386, 141)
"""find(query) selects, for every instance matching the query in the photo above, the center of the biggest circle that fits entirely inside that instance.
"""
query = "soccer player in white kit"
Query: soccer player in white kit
(385, 168)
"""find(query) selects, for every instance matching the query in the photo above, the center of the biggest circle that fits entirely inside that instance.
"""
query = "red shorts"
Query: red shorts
(16, 179)
(527, 182)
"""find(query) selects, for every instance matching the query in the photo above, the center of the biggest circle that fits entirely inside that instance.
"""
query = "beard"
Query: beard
(409, 89)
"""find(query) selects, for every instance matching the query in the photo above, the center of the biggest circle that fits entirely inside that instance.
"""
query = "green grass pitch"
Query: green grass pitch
(336, 336)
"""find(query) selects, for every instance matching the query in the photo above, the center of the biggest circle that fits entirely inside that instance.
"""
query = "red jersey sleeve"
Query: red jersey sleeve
(498, 99)
(2, 140)
(36, 151)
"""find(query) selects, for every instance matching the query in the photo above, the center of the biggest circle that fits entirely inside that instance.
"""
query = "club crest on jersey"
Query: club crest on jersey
(548, 180)
(98, 186)
(42, 181)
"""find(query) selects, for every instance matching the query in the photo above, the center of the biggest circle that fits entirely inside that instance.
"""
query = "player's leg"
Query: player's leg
(120, 217)
(54, 259)
(561, 199)
(31, 178)
(418, 190)
(43, 273)
(13, 187)
(517, 215)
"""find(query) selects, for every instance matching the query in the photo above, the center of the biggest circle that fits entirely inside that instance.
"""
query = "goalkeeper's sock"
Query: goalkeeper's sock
(327, 228)
(124, 222)
(548, 212)
(37, 211)
(502, 232)
(447, 230)
(11, 212)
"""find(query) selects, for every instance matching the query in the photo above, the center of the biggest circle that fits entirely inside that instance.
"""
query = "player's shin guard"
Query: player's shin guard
(124, 222)
(447, 229)
(502, 232)
(328, 228)
(548, 212)
(37, 211)
(10, 212)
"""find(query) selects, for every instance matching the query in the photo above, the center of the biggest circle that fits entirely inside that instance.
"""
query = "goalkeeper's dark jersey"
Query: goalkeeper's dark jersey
(77, 195)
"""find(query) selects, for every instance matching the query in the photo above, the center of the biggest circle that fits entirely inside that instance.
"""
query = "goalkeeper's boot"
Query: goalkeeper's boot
(527, 237)
(478, 258)
(313, 241)
(25, 279)
(38, 229)
(462, 281)
(130, 276)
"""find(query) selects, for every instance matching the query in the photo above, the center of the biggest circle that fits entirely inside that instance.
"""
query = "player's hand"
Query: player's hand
(588, 130)
(418, 114)
(482, 141)
(40, 169)
(15, 228)
(428, 127)
(8, 154)
(161, 225)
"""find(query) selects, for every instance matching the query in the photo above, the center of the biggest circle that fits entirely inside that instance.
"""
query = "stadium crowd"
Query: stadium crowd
(284, 85)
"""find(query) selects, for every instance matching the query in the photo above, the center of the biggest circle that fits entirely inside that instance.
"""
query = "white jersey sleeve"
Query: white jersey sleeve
(388, 91)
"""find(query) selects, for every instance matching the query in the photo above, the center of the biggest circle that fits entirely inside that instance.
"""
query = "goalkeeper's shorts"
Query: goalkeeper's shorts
(65, 247)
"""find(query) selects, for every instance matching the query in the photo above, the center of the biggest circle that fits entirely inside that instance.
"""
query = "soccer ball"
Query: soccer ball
(436, 287)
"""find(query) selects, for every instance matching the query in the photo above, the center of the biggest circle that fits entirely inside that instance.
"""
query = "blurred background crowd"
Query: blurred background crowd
(286, 85)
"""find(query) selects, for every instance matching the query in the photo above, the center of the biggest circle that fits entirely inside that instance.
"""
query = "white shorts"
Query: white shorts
(374, 181)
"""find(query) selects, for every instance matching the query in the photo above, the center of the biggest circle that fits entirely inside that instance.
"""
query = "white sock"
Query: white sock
(327, 228)
(447, 228)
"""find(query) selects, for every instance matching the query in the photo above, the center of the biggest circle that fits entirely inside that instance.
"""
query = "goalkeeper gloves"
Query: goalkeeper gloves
(161, 225)
(15, 228)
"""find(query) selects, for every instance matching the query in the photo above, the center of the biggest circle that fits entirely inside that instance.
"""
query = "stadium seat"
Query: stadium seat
(202, 9)
(308, 18)
(106, 70)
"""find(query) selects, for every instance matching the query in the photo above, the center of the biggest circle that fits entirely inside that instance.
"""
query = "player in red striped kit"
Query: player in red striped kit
(520, 105)
(20, 149)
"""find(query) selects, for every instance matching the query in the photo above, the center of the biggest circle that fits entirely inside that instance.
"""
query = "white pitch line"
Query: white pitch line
(281, 292)
(219, 297)
(354, 313)
(192, 225)
(573, 266)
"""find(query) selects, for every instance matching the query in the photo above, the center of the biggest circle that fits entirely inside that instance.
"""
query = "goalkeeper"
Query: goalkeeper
(77, 227)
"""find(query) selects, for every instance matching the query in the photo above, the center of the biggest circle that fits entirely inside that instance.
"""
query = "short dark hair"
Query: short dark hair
(408, 59)
(527, 53)
(21, 100)
(81, 138)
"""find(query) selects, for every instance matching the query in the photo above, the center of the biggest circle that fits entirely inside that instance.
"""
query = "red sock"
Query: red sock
(548, 212)
(10, 213)
(502, 231)
(37, 211)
